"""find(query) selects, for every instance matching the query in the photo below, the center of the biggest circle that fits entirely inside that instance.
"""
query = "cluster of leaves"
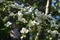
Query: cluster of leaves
(29, 20)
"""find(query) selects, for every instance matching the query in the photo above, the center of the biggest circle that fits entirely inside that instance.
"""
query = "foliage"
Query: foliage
(29, 20)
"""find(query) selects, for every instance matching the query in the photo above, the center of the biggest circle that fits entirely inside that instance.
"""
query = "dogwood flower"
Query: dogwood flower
(54, 32)
(32, 23)
(16, 5)
(8, 24)
(24, 30)
(11, 14)
(31, 9)
(23, 20)
(20, 15)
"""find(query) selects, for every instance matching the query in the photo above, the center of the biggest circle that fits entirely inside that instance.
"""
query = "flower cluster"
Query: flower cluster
(30, 19)
(24, 30)
(8, 24)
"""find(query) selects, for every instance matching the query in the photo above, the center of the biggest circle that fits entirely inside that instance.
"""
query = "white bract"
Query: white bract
(27, 13)
(20, 15)
(16, 5)
(8, 24)
(54, 32)
(11, 14)
(5, 18)
(23, 20)
(24, 9)
(31, 23)
(23, 36)
(31, 9)
(48, 31)
(12, 5)
(27, 8)
(24, 30)
(50, 38)
(36, 12)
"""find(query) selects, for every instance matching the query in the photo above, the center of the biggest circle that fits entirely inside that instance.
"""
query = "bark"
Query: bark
(15, 34)
(47, 7)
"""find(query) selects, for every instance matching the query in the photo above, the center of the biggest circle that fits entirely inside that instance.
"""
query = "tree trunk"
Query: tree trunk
(15, 34)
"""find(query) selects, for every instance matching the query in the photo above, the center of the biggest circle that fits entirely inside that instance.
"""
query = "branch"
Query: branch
(47, 7)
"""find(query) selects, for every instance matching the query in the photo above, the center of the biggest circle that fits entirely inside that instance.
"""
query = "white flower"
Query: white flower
(38, 14)
(27, 7)
(48, 31)
(36, 10)
(54, 32)
(4, 9)
(5, 18)
(19, 6)
(23, 20)
(12, 5)
(24, 9)
(8, 24)
(31, 9)
(24, 30)
(50, 38)
(21, 37)
(16, 5)
(20, 15)
(26, 13)
(11, 14)
(37, 23)
(32, 23)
